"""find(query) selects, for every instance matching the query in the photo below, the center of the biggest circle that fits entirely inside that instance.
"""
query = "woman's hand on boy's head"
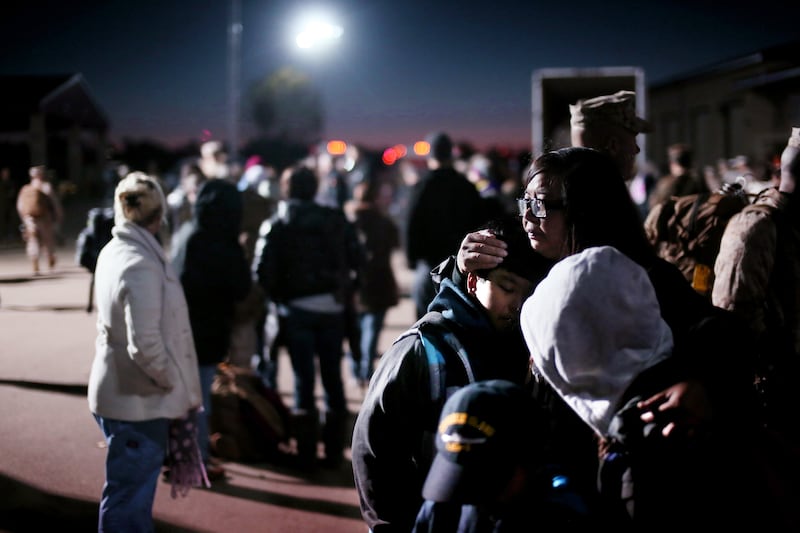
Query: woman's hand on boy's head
(480, 250)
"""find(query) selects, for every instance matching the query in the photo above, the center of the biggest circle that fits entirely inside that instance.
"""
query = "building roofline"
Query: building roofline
(780, 52)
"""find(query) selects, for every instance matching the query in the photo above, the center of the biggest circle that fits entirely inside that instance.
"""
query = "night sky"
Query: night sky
(159, 68)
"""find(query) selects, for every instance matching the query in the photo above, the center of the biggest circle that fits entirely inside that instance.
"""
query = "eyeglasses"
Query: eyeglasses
(538, 206)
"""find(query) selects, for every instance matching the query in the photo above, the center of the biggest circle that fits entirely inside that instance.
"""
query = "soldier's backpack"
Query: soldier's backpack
(687, 231)
(249, 421)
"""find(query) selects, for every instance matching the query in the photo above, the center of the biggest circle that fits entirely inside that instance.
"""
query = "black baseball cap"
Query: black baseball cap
(483, 433)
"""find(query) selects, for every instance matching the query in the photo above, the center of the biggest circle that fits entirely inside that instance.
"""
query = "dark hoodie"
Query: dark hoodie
(393, 439)
(212, 267)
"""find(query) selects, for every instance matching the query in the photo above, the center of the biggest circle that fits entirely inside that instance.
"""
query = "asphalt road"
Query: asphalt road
(52, 452)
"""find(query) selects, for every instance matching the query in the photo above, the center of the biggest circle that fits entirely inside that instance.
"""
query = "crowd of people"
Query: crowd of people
(542, 309)
(650, 395)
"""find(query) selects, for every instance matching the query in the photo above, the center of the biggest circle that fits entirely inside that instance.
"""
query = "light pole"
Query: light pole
(314, 34)
(234, 77)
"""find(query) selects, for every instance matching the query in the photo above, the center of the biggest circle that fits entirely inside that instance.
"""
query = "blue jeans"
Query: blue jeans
(371, 326)
(308, 334)
(136, 452)
(207, 373)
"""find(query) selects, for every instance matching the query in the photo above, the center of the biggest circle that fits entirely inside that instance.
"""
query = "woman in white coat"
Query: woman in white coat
(144, 387)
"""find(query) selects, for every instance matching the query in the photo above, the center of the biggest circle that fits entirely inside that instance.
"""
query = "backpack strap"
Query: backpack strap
(666, 212)
(700, 200)
(437, 363)
(435, 367)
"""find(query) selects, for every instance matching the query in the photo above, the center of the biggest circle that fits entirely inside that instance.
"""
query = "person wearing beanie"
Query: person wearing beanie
(144, 384)
(469, 334)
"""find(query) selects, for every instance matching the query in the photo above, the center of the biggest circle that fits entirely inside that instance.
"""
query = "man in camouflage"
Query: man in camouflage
(758, 277)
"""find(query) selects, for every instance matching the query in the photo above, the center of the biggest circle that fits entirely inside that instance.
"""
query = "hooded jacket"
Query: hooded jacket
(212, 267)
(593, 325)
(393, 440)
(596, 334)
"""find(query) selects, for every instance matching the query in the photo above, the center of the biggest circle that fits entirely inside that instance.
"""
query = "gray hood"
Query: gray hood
(592, 326)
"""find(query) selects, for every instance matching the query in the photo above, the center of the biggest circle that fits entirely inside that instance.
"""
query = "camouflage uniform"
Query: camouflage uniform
(758, 277)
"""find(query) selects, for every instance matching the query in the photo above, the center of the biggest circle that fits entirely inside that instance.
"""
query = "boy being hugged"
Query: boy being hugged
(469, 334)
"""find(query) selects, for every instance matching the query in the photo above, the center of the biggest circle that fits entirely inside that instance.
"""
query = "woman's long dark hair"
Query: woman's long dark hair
(598, 207)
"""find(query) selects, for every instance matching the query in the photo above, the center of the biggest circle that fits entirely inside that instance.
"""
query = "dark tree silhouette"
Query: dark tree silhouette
(285, 105)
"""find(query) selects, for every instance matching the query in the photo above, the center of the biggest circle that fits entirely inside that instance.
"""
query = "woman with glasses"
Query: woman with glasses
(576, 198)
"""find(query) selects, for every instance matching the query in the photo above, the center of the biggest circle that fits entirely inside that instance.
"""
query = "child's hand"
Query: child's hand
(682, 408)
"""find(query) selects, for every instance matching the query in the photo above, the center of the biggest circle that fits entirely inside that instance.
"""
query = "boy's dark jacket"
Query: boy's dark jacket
(393, 440)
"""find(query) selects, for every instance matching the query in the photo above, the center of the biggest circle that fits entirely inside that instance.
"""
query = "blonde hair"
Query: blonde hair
(139, 199)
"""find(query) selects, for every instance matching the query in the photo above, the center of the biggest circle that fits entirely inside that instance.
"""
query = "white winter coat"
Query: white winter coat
(145, 365)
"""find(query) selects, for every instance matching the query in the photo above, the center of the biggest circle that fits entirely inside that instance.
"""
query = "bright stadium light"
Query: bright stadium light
(317, 31)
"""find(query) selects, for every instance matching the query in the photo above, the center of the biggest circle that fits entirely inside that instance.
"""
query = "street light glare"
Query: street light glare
(305, 40)
(318, 34)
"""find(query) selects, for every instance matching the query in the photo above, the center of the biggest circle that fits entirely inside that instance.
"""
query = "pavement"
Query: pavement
(52, 453)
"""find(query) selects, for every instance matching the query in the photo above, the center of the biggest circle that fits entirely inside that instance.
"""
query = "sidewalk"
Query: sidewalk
(51, 471)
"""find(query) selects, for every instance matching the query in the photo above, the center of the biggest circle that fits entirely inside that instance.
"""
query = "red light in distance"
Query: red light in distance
(390, 156)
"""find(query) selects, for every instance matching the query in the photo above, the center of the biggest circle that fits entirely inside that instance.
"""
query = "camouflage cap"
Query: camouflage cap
(618, 109)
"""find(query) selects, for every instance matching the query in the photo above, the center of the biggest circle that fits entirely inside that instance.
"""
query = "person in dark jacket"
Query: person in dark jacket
(377, 290)
(306, 258)
(215, 276)
(477, 335)
(443, 206)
